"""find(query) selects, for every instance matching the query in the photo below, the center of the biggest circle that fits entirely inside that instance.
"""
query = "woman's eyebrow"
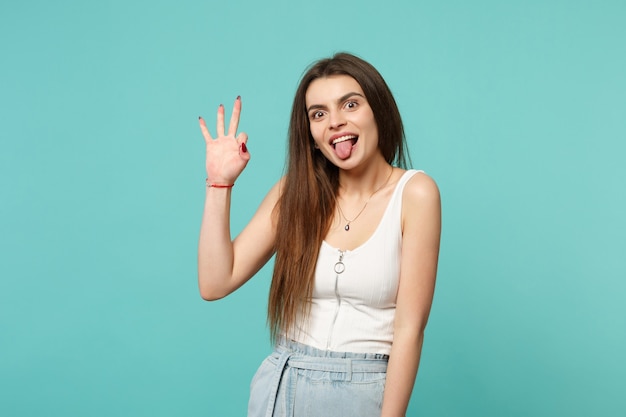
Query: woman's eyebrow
(339, 100)
(347, 96)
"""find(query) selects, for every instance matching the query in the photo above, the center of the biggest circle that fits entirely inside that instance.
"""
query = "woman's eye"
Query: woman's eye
(316, 115)
(351, 104)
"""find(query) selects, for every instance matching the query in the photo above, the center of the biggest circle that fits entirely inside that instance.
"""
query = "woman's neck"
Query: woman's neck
(357, 184)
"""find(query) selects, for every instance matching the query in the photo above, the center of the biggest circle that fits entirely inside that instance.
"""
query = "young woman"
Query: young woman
(356, 241)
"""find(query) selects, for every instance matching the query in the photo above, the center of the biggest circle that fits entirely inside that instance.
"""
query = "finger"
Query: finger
(204, 130)
(234, 118)
(242, 140)
(220, 121)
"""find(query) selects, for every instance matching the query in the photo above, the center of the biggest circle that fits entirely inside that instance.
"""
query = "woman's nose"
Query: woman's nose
(336, 120)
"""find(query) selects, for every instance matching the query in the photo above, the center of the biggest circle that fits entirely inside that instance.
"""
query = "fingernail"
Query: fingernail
(238, 97)
(199, 117)
(244, 148)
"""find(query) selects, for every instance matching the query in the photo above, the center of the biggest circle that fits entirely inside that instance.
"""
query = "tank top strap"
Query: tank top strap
(405, 178)
(393, 213)
(396, 198)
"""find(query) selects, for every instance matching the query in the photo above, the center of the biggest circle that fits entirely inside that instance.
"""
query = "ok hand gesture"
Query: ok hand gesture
(226, 155)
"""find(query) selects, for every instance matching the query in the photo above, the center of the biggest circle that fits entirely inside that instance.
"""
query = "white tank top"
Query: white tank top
(354, 297)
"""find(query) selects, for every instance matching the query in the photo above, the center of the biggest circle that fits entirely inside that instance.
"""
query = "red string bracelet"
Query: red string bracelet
(208, 184)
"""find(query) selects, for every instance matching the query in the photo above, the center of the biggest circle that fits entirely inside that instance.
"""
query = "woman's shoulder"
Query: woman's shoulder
(277, 189)
(420, 190)
(421, 208)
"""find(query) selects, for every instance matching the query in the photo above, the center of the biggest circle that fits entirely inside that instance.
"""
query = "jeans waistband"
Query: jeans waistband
(307, 357)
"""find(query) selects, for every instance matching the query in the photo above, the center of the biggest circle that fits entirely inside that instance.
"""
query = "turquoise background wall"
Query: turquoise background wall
(517, 109)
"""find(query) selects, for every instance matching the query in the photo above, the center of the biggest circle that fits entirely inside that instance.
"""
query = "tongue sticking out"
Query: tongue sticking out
(344, 149)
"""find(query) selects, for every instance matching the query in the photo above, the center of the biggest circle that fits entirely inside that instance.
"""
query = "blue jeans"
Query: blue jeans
(297, 380)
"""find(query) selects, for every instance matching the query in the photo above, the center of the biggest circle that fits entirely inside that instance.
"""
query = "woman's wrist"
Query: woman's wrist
(211, 184)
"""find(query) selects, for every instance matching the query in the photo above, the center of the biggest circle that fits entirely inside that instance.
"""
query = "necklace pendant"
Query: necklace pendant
(347, 227)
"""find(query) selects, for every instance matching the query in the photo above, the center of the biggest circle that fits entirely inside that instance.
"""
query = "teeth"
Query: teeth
(343, 139)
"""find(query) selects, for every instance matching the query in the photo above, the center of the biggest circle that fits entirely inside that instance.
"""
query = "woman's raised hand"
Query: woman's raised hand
(226, 155)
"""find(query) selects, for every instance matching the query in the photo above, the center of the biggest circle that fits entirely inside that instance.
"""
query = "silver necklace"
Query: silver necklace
(347, 226)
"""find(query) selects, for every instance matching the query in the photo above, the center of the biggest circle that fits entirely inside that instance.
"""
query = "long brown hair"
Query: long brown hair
(307, 202)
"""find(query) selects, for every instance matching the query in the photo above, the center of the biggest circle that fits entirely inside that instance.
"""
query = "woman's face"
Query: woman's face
(341, 120)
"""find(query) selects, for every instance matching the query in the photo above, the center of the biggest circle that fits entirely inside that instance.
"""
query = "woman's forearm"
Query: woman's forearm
(215, 248)
(225, 264)
(401, 373)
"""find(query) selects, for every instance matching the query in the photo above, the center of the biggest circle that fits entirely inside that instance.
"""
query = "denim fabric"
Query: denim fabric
(297, 380)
